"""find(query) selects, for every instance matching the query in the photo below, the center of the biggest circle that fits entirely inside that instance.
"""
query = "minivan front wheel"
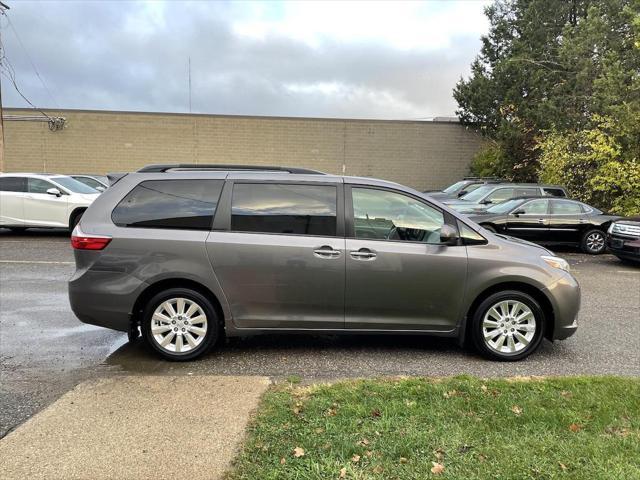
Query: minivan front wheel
(508, 326)
(180, 324)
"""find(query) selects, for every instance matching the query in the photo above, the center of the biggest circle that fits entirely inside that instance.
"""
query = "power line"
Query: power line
(33, 65)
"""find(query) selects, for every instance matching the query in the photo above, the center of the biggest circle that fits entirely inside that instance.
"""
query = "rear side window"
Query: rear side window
(565, 207)
(527, 192)
(554, 192)
(181, 204)
(13, 184)
(284, 209)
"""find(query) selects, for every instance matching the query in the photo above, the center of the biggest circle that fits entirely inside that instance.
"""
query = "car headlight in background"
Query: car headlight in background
(556, 262)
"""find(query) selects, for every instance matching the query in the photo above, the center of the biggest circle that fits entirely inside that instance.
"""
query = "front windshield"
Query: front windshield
(74, 185)
(455, 187)
(504, 207)
(477, 194)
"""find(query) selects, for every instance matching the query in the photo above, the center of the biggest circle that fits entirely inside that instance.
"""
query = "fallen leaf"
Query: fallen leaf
(378, 469)
(376, 413)
(368, 453)
(403, 460)
(355, 458)
(319, 430)
(566, 394)
(439, 453)
(283, 461)
(343, 472)
(517, 410)
(482, 458)
(450, 394)
(298, 452)
(574, 427)
(363, 442)
(484, 388)
(410, 403)
(563, 467)
(437, 468)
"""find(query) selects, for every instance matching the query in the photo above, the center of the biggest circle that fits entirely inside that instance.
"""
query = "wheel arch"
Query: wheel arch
(527, 288)
(168, 283)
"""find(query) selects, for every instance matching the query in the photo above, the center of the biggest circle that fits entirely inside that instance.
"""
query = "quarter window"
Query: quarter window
(284, 209)
(554, 192)
(565, 207)
(384, 215)
(181, 204)
(13, 184)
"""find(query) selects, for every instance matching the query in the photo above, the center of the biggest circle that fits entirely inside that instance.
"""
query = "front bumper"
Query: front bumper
(623, 246)
(564, 296)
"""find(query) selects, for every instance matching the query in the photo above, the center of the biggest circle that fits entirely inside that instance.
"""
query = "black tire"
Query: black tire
(593, 242)
(75, 219)
(18, 230)
(490, 228)
(210, 338)
(477, 333)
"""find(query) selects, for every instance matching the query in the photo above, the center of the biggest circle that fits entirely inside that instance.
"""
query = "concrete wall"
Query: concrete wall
(419, 154)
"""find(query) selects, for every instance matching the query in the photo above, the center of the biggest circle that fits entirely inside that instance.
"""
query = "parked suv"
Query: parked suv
(191, 254)
(485, 196)
(623, 239)
(461, 188)
(42, 200)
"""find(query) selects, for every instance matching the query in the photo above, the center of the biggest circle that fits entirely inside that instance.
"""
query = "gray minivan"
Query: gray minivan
(189, 253)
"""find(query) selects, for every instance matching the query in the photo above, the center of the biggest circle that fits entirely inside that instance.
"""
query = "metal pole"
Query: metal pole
(3, 7)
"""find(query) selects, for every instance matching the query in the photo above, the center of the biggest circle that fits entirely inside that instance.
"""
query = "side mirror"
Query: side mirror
(448, 235)
(462, 193)
(518, 212)
(54, 191)
(100, 189)
(486, 202)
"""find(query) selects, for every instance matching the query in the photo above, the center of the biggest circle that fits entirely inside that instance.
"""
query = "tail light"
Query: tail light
(89, 242)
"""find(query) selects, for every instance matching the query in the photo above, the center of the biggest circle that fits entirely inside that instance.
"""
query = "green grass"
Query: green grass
(578, 428)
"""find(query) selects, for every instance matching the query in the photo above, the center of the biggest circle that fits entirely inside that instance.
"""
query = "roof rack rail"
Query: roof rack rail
(483, 178)
(159, 168)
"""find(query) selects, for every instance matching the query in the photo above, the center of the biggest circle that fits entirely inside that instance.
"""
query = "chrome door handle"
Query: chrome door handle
(326, 252)
(541, 220)
(363, 255)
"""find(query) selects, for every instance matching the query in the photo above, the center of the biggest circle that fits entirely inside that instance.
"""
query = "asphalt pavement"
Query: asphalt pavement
(45, 351)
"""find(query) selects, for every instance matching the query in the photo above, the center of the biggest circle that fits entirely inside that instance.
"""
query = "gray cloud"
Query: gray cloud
(99, 56)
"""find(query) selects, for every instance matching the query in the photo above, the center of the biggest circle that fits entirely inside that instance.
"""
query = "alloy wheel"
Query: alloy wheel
(595, 241)
(179, 325)
(508, 327)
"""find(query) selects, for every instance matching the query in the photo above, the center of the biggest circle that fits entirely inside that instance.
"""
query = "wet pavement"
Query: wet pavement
(45, 350)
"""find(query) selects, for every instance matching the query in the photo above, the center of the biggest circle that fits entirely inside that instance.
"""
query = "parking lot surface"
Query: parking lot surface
(45, 350)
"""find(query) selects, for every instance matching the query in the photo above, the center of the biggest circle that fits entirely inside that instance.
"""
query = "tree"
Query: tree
(550, 68)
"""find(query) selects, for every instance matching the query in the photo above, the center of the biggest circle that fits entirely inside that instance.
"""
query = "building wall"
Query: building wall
(419, 154)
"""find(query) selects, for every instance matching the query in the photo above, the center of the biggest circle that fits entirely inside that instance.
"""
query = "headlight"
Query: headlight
(556, 262)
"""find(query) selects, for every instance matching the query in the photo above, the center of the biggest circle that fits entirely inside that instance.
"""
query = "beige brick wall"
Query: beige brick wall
(419, 154)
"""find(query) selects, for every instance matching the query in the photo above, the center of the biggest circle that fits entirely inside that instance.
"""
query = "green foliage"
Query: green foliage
(557, 69)
(591, 164)
(490, 161)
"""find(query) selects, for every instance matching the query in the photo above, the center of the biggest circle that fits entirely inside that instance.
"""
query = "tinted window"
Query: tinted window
(526, 192)
(73, 185)
(478, 193)
(500, 195)
(565, 207)
(472, 187)
(13, 184)
(186, 204)
(554, 192)
(89, 181)
(37, 185)
(504, 207)
(455, 187)
(535, 207)
(283, 208)
(383, 215)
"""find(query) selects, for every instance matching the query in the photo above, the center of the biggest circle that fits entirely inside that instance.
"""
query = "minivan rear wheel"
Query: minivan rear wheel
(180, 324)
(508, 326)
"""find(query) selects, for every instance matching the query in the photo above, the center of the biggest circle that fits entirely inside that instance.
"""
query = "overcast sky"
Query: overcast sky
(326, 59)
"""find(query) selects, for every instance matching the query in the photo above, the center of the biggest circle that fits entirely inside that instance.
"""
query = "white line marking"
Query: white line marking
(37, 262)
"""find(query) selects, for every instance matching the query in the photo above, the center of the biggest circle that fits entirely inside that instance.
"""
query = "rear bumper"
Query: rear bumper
(105, 299)
(564, 296)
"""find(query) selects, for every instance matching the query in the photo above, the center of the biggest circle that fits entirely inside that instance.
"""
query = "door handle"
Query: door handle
(363, 254)
(541, 220)
(326, 251)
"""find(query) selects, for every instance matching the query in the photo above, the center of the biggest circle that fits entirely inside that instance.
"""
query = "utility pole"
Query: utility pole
(3, 8)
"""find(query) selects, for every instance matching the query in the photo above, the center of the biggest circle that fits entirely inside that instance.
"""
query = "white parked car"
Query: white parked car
(42, 200)
(99, 182)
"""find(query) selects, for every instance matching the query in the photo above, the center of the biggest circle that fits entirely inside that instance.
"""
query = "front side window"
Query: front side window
(13, 184)
(565, 207)
(477, 194)
(74, 185)
(284, 208)
(91, 182)
(535, 207)
(500, 195)
(37, 185)
(456, 187)
(176, 204)
(384, 215)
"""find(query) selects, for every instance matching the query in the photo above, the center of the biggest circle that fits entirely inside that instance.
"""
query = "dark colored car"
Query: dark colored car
(483, 197)
(550, 221)
(461, 188)
(623, 239)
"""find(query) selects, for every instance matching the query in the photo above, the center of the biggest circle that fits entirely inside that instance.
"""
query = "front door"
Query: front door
(281, 262)
(42, 208)
(529, 221)
(399, 275)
